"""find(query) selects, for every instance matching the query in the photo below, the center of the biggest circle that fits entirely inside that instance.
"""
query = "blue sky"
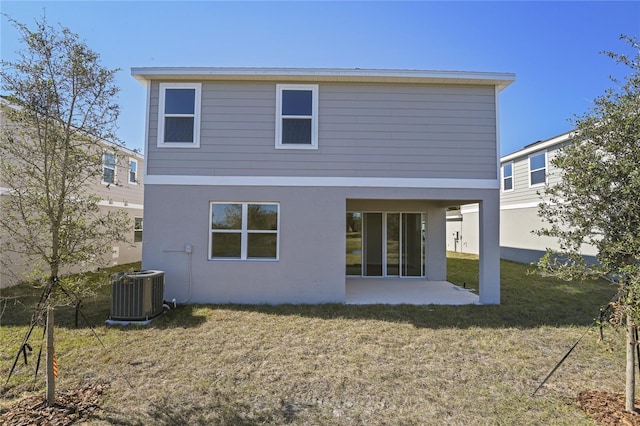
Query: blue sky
(552, 47)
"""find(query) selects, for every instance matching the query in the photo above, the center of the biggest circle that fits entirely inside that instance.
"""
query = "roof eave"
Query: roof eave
(4, 103)
(540, 146)
(356, 75)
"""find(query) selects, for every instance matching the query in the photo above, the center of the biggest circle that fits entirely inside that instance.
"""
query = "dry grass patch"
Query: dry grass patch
(342, 365)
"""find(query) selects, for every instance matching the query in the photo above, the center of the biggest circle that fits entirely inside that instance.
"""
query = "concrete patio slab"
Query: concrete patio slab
(390, 291)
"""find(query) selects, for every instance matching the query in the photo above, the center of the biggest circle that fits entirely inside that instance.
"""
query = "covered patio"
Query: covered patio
(412, 291)
(395, 249)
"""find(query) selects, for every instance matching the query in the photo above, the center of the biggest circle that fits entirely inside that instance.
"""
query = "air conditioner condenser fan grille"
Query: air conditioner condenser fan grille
(136, 296)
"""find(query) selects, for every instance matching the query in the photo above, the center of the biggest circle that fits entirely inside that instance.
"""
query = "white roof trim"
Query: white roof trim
(367, 182)
(120, 204)
(8, 104)
(540, 146)
(501, 80)
(128, 151)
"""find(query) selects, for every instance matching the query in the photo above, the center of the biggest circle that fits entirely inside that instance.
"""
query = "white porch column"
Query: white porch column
(489, 249)
(436, 244)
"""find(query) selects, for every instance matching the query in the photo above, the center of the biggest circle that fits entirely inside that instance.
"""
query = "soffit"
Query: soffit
(323, 75)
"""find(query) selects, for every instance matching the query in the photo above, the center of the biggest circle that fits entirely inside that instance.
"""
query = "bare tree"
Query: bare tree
(60, 108)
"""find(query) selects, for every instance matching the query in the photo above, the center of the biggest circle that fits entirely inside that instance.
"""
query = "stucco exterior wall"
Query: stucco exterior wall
(311, 267)
(312, 240)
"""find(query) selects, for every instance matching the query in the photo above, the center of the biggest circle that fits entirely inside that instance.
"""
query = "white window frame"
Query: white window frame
(513, 186)
(314, 115)
(535, 185)
(244, 232)
(135, 180)
(196, 115)
(115, 167)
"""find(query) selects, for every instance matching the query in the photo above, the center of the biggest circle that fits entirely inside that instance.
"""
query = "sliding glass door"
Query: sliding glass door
(393, 244)
(385, 244)
(412, 245)
(373, 244)
(354, 244)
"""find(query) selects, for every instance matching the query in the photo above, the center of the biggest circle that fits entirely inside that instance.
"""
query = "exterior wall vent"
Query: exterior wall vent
(136, 296)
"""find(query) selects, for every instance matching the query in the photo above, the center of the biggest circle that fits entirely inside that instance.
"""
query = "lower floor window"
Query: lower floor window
(137, 230)
(243, 230)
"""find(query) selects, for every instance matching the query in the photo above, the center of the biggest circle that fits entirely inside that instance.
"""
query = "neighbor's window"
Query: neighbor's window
(244, 231)
(297, 116)
(137, 230)
(179, 115)
(109, 168)
(507, 177)
(133, 170)
(537, 169)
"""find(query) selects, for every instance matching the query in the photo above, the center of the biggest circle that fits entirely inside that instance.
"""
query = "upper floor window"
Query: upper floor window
(538, 169)
(109, 168)
(297, 116)
(133, 170)
(179, 115)
(507, 177)
(244, 231)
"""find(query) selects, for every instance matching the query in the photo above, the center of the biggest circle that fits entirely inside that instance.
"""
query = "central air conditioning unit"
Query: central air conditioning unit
(136, 296)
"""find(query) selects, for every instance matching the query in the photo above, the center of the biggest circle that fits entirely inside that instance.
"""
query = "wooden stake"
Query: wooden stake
(51, 380)
(631, 367)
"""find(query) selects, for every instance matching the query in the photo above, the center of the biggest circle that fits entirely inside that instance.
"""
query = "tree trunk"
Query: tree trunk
(77, 311)
(51, 380)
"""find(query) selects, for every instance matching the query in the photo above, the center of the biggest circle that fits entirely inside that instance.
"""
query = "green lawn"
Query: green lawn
(335, 364)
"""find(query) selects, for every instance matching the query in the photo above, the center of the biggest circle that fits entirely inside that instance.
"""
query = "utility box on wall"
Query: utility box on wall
(136, 296)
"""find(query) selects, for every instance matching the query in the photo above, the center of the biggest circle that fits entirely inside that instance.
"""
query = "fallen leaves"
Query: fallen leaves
(71, 405)
(607, 408)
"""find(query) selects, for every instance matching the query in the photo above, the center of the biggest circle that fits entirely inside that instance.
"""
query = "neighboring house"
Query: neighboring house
(524, 175)
(120, 187)
(277, 185)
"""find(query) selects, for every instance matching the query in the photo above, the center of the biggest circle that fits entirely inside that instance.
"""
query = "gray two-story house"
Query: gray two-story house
(281, 185)
(525, 175)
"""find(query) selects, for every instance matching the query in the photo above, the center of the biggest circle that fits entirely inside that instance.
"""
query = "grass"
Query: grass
(335, 364)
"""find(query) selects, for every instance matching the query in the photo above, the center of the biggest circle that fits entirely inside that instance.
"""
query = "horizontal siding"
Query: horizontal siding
(123, 191)
(522, 193)
(364, 130)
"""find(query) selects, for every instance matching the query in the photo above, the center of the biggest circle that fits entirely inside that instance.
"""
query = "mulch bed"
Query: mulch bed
(71, 406)
(607, 408)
